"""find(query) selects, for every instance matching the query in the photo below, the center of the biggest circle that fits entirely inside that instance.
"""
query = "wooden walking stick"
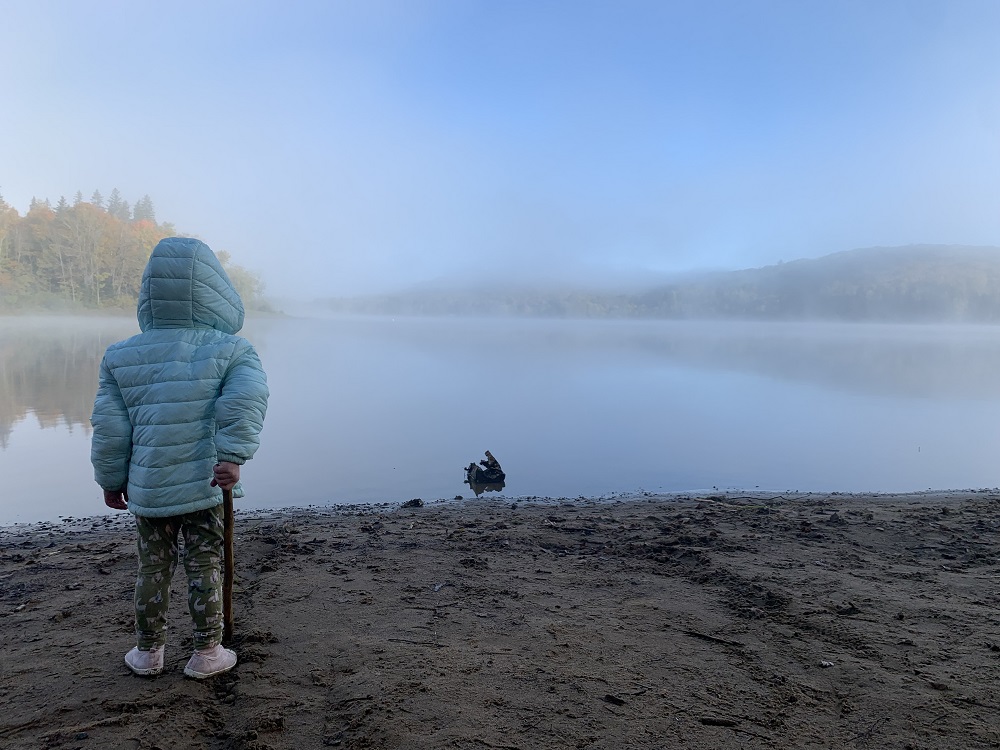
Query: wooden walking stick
(227, 580)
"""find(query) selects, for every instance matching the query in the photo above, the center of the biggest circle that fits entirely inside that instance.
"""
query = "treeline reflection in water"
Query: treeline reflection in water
(919, 361)
(48, 366)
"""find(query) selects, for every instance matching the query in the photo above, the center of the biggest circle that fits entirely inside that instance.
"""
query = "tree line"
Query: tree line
(87, 254)
(917, 283)
(913, 283)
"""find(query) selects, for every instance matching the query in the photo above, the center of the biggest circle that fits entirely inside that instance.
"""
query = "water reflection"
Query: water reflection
(941, 362)
(572, 408)
(479, 489)
(917, 361)
(48, 367)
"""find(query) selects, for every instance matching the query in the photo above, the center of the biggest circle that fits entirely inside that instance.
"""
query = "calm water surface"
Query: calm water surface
(372, 410)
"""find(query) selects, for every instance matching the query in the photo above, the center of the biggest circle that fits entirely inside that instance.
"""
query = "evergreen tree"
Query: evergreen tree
(143, 210)
(78, 198)
(118, 207)
(97, 199)
(114, 202)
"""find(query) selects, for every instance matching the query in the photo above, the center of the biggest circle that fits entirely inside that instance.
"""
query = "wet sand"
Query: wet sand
(805, 621)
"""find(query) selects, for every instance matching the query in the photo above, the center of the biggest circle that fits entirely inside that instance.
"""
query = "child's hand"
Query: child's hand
(226, 475)
(117, 499)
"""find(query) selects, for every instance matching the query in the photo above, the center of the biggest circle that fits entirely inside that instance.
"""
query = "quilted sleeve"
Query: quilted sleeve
(240, 408)
(111, 445)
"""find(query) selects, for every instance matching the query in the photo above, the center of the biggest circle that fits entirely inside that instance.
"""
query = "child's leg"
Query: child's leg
(157, 545)
(203, 540)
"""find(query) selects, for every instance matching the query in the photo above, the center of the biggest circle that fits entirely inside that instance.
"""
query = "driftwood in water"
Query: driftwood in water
(489, 471)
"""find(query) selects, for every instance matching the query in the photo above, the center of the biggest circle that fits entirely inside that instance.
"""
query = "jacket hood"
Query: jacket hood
(184, 286)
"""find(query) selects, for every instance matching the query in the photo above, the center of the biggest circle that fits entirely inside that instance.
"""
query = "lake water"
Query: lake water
(385, 410)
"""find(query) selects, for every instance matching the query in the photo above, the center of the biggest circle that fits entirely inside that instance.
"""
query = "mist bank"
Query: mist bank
(913, 283)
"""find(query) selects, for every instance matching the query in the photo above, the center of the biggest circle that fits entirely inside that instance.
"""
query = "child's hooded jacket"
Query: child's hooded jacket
(182, 395)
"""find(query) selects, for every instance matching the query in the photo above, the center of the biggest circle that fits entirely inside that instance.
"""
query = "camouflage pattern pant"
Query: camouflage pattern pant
(158, 552)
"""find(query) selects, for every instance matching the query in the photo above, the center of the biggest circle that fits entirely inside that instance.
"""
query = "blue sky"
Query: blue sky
(348, 147)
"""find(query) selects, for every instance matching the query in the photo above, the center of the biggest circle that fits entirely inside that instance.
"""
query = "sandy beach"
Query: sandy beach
(729, 621)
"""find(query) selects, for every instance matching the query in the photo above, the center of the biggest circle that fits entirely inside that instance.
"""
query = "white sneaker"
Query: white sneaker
(145, 663)
(210, 662)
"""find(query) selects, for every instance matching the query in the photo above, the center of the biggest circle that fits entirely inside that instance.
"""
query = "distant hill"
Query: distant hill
(918, 283)
(912, 283)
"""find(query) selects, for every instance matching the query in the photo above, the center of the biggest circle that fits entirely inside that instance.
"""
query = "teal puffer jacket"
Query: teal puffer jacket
(183, 394)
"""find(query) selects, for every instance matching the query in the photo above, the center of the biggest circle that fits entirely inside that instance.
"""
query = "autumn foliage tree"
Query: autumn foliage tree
(86, 254)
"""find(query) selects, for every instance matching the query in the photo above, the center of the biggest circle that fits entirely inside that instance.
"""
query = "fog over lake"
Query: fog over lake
(385, 410)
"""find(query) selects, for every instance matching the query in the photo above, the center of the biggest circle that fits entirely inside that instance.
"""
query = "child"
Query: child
(179, 408)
